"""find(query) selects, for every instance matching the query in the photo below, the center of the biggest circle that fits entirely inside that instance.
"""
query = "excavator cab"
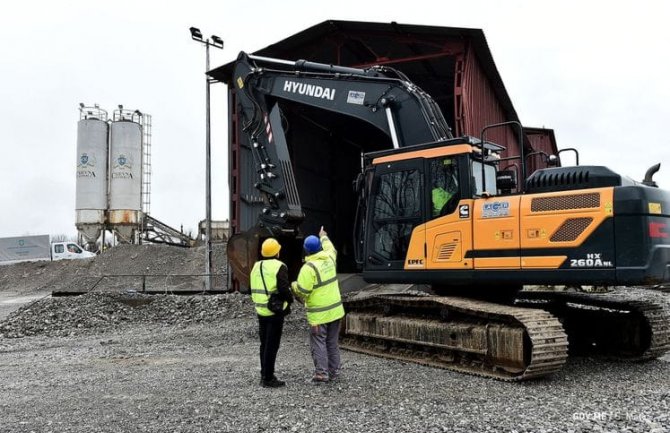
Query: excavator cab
(416, 207)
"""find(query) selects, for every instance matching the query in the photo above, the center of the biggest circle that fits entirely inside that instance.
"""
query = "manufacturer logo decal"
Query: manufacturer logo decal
(495, 209)
(464, 211)
(309, 90)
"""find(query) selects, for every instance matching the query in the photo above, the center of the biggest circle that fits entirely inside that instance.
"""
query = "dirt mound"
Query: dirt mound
(113, 269)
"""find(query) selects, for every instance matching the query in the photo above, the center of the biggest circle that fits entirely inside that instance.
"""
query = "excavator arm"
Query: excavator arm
(381, 97)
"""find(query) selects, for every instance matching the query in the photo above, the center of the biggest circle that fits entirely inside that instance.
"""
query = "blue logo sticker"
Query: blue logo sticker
(495, 209)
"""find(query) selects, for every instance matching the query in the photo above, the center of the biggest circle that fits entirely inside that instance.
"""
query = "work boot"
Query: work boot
(272, 383)
(320, 378)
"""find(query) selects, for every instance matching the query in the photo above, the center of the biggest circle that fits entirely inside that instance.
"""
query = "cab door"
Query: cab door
(449, 228)
(395, 208)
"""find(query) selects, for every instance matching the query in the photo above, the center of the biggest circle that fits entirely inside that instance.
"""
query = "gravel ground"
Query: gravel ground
(190, 364)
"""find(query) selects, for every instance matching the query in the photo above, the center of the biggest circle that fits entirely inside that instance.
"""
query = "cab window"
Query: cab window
(444, 186)
(489, 175)
(58, 249)
(397, 210)
(73, 248)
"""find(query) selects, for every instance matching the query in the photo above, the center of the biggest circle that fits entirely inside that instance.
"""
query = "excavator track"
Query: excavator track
(464, 335)
(629, 324)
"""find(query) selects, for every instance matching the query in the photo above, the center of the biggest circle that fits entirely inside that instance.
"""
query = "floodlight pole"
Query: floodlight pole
(216, 42)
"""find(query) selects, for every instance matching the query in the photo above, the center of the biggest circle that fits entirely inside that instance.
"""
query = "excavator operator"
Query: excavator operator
(445, 185)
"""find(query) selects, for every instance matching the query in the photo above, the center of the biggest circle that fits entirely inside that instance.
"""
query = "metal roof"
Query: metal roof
(419, 51)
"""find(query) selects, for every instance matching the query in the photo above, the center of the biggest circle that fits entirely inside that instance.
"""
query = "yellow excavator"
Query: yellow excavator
(439, 214)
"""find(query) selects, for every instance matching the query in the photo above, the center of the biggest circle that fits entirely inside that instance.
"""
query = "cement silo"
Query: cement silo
(91, 185)
(125, 171)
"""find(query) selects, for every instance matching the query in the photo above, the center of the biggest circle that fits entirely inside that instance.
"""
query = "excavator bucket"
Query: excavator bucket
(244, 249)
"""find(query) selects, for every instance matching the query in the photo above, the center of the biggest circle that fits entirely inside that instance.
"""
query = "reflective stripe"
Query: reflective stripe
(259, 292)
(261, 305)
(305, 291)
(316, 271)
(320, 283)
(324, 283)
(329, 307)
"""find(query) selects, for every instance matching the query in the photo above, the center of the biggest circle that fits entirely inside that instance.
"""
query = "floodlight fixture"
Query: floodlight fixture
(196, 33)
(217, 42)
(81, 105)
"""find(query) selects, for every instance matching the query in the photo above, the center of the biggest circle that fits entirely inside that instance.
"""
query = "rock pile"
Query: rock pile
(101, 312)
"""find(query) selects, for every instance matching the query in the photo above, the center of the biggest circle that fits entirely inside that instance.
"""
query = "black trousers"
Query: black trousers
(270, 328)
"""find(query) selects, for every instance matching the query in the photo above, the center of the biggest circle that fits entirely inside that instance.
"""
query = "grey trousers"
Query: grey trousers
(325, 351)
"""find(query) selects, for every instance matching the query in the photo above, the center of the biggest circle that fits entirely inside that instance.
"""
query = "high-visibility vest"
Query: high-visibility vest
(440, 197)
(258, 295)
(317, 283)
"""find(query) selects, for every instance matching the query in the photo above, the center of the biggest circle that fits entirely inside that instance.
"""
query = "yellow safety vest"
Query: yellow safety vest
(317, 283)
(258, 296)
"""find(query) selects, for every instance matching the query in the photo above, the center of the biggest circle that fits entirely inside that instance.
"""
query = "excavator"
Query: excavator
(447, 216)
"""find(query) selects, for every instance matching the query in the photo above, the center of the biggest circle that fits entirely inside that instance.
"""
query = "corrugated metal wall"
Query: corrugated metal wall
(544, 144)
(476, 104)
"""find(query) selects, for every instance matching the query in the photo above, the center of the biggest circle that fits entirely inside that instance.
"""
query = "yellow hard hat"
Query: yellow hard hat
(270, 247)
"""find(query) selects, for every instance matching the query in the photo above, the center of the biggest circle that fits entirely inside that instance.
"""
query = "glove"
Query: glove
(322, 233)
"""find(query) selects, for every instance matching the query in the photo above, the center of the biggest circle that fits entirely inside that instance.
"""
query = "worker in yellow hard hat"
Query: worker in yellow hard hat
(271, 295)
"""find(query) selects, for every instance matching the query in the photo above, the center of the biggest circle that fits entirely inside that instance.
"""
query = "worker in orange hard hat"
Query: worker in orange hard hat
(271, 295)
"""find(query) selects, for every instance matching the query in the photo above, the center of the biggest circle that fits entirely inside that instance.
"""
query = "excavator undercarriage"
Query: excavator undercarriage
(470, 336)
(526, 340)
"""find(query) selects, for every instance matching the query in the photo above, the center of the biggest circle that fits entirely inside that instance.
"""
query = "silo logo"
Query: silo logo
(85, 165)
(122, 167)
(21, 242)
(123, 162)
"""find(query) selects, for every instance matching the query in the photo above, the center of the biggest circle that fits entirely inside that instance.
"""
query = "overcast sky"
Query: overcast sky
(595, 72)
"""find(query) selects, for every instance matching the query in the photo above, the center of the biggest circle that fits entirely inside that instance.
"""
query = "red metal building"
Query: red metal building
(453, 65)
